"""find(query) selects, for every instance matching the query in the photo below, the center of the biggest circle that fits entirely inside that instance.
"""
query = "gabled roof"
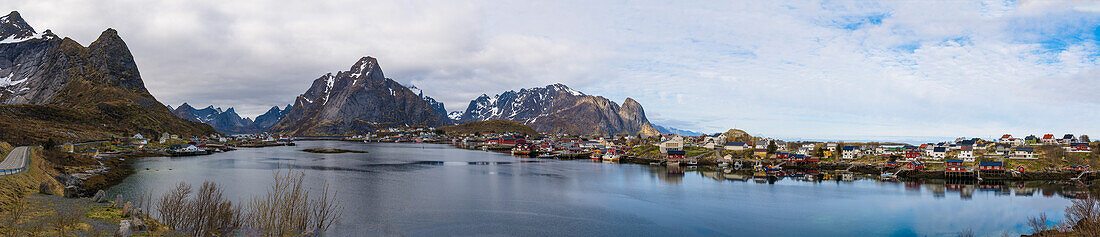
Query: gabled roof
(735, 144)
(1068, 137)
(849, 148)
(1025, 149)
(990, 163)
(677, 152)
(1006, 136)
(939, 149)
(1048, 136)
(953, 161)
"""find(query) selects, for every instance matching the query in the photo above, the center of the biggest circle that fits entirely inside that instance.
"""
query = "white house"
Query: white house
(850, 152)
(674, 143)
(1024, 153)
(966, 154)
(938, 153)
(737, 146)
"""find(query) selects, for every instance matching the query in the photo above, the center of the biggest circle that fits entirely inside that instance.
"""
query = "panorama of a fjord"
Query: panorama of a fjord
(526, 118)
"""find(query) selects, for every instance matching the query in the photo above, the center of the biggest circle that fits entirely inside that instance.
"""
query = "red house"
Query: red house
(676, 155)
(912, 155)
(991, 166)
(954, 166)
(509, 140)
(1079, 146)
(915, 165)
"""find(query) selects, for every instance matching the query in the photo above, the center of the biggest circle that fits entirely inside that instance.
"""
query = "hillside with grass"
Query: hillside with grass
(490, 126)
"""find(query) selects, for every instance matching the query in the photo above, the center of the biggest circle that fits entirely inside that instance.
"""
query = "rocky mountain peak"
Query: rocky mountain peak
(366, 66)
(13, 27)
(357, 101)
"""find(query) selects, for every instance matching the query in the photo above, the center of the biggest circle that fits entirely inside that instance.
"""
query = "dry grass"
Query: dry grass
(287, 209)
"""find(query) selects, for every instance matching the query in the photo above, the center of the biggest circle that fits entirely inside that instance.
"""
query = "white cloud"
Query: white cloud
(786, 69)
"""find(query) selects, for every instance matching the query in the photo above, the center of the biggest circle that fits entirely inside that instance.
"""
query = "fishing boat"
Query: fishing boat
(612, 155)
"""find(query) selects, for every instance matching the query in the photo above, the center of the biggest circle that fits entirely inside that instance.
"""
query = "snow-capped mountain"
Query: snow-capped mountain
(455, 115)
(357, 101)
(559, 109)
(14, 29)
(672, 130)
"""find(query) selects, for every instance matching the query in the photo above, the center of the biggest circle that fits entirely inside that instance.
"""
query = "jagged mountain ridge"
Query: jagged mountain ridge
(228, 121)
(69, 92)
(357, 101)
(681, 132)
(558, 109)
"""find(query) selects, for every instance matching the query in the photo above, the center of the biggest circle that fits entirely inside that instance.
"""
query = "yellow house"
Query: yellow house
(760, 153)
(93, 152)
(68, 147)
(828, 153)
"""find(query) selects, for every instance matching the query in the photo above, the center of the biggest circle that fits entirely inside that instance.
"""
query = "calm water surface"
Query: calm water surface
(436, 190)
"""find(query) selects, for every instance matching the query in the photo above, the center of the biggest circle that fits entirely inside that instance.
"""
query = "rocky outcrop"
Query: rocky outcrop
(72, 93)
(558, 109)
(357, 101)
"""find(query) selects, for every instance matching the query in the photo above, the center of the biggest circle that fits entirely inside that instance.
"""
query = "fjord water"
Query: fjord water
(437, 190)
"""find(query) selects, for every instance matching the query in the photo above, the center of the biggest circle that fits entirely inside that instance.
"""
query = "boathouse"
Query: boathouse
(676, 155)
(507, 140)
(991, 166)
(954, 166)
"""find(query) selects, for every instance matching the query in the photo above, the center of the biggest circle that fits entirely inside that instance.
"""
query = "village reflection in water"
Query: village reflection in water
(965, 189)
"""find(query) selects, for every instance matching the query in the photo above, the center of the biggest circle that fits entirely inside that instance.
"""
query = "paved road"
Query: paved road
(16, 161)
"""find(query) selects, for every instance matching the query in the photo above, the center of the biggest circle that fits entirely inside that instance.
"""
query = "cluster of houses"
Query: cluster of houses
(166, 142)
(968, 150)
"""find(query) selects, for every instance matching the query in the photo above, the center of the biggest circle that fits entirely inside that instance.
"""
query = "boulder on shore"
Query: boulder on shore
(136, 222)
(124, 229)
(100, 197)
(45, 188)
(71, 192)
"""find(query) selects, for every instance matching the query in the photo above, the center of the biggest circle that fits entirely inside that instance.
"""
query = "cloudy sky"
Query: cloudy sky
(832, 69)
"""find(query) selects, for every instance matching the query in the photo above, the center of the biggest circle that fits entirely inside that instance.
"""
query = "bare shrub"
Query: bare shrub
(1039, 224)
(1083, 216)
(15, 212)
(211, 214)
(64, 219)
(208, 213)
(172, 207)
(966, 233)
(287, 210)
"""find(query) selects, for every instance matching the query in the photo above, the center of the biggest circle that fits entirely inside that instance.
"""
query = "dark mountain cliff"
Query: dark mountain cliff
(357, 101)
(69, 92)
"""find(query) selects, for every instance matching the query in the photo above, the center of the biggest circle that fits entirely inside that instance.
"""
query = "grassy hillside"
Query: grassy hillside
(491, 126)
(16, 186)
(34, 124)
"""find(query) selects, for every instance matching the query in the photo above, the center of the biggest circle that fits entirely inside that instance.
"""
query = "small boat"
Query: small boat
(888, 175)
(610, 156)
(547, 156)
